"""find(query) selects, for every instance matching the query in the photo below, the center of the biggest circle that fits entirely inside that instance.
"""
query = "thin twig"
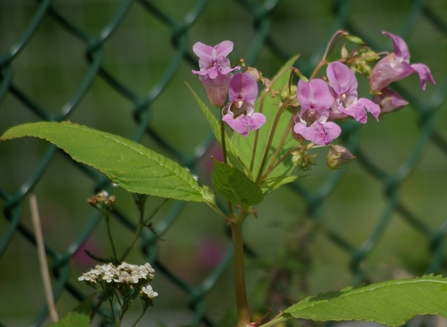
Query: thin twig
(261, 105)
(278, 150)
(42, 258)
(270, 139)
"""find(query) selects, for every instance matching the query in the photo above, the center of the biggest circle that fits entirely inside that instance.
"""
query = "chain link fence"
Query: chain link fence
(119, 66)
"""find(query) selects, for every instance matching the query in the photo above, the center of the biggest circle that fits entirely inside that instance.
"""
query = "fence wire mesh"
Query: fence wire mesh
(119, 66)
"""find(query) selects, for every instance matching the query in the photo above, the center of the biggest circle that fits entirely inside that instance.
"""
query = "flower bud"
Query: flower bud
(364, 69)
(389, 101)
(370, 56)
(338, 156)
(302, 160)
(354, 39)
(344, 52)
(254, 72)
(102, 200)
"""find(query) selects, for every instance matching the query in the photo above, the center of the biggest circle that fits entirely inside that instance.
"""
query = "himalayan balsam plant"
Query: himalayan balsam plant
(267, 138)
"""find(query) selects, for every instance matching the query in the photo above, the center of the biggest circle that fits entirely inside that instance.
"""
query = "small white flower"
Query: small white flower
(103, 194)
(148, 291)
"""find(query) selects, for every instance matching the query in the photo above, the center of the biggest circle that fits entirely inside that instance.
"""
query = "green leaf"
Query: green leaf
(234, 185)
(73, 319)
(245, 145)
(232, 153)
(127, 163)
(271, 184)
(85, 307)
(391, 303)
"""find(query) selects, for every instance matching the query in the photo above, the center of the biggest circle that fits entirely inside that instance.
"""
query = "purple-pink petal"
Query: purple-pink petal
(371, 107)
(358, 110)
(315, 94)
(388, 70)
(257, 120)
(400, 47)
(424, 74)
(318, 133)
(203, 51)
(243, 123)
(208, 54)
(216, 89)
(342, 79)
(223, 49)
(243, 86)
(213, 60)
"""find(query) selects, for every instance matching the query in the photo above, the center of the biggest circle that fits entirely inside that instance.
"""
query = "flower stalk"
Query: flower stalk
(243, 313)
(270, 140)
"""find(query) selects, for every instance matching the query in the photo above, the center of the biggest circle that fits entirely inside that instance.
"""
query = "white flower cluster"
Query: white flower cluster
(124, 273)
(148, 292)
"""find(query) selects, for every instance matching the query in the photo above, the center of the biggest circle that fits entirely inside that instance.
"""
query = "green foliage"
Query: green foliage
(79, 316)
(85, 307)
(232, 152)
(234, 185)
(391, 303)
(127, 163)
(245, 145)
(73, 319)
(271, 184)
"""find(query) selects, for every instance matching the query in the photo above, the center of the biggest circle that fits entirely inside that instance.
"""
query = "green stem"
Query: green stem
(270, 140)
(222, 138)
(261, 105)
(275, 321)
(139, 318)
(329, 48)
(109, 232)
(239, 270)
(123, 310)
(224, 149)
(101, 299)
(272, 168)
(111, 305)
(278, 150)
(140, 202)
(217, 210)
(131, 245)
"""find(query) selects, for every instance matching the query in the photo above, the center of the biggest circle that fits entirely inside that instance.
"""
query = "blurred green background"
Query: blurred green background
(40, 77)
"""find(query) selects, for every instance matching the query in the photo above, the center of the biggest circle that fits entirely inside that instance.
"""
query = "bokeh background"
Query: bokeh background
(120, 67)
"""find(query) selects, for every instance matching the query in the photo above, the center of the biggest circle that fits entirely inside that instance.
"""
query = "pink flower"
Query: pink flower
(215, 70)
(396, 66)
(239, 113)
(389, 101)
(316, 98)
(345, 84)
(213, 60)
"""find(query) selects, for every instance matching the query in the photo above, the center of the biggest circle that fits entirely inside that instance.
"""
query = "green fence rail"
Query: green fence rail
(137, 54)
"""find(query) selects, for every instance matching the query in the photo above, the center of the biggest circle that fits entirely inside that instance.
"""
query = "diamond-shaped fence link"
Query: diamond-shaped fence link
(119, 66)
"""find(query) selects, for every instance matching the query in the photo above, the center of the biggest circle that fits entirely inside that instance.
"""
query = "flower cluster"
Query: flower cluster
(321, 103)
(322, 100)
(125, 274)
(217, 79)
